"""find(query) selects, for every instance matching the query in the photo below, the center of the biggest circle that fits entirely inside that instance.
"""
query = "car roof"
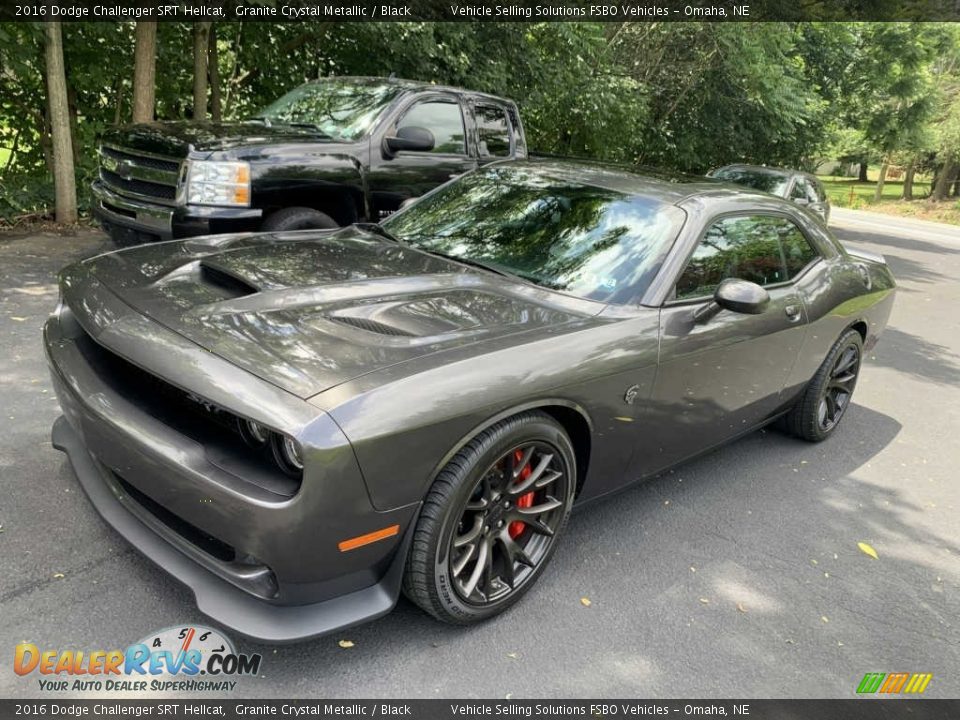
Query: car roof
(762, 169)
(664, 185)
(409, 85)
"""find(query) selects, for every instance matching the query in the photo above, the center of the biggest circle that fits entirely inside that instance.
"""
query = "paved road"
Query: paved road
(736, 575)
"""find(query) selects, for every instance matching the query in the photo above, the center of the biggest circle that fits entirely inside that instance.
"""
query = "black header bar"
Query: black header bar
(853, 709)
(479, 10)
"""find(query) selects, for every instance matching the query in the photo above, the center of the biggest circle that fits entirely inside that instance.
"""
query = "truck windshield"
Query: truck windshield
(340, 109)
(553, 231)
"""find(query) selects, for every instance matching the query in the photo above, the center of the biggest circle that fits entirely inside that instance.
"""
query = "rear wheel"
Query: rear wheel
(490, 523)
(298, 218)
(826, 398)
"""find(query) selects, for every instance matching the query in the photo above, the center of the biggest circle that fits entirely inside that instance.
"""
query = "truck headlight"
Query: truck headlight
(218, 183)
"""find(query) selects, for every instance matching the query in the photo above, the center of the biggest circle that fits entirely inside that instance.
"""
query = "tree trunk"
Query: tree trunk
(945, 179)
(956, 188)
(863, 172)
(878, 194)
(145, 72)
(908, 182)
(201, 44)
(64, 181)
(213, 71)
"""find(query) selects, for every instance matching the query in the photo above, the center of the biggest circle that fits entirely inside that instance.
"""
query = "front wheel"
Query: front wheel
(826, 398)
(490, 522)
(297, 218)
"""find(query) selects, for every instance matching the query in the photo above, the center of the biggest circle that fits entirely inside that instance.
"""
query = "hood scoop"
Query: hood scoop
(225, 279)
(371, 326)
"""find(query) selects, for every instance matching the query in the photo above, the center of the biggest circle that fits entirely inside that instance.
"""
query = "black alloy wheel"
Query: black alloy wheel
(492, 520)
(839, 388)
(508, 524)
(825, 400)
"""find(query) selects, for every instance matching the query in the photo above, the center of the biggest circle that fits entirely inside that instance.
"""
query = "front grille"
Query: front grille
(142, 160)
(129, 172)
(138, 187)
(206, 542)
(212, 427)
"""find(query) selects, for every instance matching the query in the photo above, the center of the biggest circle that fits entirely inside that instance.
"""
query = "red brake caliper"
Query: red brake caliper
(516, 527)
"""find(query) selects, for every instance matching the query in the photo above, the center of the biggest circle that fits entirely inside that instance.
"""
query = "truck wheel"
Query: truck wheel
(298, 218)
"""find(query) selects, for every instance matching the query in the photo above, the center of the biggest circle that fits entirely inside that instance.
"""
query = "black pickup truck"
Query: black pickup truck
(328, 153)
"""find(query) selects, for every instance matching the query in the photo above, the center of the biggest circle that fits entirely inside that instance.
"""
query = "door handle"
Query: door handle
(793, 312)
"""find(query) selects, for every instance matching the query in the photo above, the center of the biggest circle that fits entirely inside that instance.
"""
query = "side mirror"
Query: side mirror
(801, 201)
(417, 139)
(741, 296)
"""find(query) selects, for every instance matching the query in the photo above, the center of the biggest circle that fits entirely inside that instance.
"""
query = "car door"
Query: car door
(720, 376)
(394, 178)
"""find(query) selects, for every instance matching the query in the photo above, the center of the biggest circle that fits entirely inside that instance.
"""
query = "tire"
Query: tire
(298, 218)
(810, 419)
(467, 489)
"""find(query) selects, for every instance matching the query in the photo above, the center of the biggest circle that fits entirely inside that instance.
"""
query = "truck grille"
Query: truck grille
(138, 175)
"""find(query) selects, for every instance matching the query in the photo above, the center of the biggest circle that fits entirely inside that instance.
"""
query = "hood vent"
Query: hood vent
(222, 278)
(370, 325)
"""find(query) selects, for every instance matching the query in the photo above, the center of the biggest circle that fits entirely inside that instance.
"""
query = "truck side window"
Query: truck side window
(442, 118)
(493, 131)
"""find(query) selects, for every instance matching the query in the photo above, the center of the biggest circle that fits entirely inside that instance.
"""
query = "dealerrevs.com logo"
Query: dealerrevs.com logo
(178, 659)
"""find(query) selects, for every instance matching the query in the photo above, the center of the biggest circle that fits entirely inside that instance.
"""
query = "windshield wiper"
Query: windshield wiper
(309, 126)
(475, 263)
(261, 118)
(379, 230)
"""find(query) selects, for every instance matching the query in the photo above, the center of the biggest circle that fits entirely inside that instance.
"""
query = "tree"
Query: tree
(213, 71)
(63, 178)
(201, 50)
(144, 71)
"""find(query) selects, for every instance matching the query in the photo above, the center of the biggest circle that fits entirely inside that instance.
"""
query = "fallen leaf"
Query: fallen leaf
(705, 601)
(58, 575)
(512, 656)
(866, 549)
(741, 607)
(17, 319)
(585, 602)
(825, 618)
(508, 696)
(345, 643)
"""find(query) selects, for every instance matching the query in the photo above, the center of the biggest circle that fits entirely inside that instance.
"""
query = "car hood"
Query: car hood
(178, 139)
(309, 310)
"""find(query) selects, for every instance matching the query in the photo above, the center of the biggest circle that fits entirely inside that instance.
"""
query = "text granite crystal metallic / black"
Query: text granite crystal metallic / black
(300, 425)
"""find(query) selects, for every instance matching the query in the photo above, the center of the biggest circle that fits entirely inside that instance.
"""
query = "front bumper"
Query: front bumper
(216, 598)
(182, 502)
(146, 221)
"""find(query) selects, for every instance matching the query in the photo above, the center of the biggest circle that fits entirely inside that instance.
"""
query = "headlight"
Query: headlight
(218, 183)
(286, 451)
(253, 433)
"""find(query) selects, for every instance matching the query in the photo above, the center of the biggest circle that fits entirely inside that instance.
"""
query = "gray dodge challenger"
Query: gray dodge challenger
(299, 426)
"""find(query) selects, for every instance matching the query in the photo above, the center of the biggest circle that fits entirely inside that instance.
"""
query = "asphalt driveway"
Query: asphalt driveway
(738, 575)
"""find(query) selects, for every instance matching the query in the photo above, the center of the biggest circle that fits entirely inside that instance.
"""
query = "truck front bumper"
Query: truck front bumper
(142, 221)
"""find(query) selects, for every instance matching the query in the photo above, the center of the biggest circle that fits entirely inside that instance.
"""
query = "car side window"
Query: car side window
(444, 119)
(744, 247)
(799, 191)
(815, 191)
(493, 131)
(797, 250)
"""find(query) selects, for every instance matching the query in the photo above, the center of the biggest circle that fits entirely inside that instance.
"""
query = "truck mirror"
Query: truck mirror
(417, 139)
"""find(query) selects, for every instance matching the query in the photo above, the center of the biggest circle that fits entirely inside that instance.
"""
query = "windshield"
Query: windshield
(579, 239)
(768, 182)
(337, 108)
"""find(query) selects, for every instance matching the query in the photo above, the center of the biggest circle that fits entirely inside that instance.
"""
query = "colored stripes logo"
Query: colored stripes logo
(893, 683)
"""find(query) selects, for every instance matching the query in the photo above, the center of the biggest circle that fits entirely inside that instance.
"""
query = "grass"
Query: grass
(851, 193)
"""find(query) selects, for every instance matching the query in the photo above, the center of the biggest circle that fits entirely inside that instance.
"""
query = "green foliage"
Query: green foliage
(686, 95)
